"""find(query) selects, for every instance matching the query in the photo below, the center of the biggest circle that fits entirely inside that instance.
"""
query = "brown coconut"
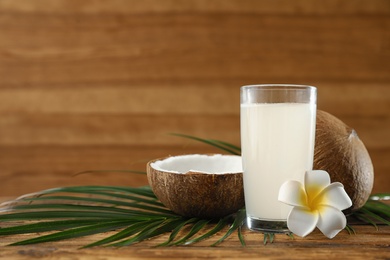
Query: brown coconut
(340, 152)
(197, 194)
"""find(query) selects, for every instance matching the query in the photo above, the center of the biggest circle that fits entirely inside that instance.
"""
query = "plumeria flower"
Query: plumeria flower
(317, 203)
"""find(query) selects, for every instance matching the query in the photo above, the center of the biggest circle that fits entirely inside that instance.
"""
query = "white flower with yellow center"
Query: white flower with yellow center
(317, 203)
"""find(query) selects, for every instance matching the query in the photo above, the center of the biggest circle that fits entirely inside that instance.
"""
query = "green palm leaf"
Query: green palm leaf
(149, 231)
(237, 223)
(227, 147)
(47, 226)
(134, 214)
(77, 232)
(217, 227)
(197, 226)
(176, 230)
(131, 230)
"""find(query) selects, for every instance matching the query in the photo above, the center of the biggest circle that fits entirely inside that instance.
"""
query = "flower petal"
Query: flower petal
(315, 182)
(292, 193)
(331, 221)
(334, 195)
(302, 221)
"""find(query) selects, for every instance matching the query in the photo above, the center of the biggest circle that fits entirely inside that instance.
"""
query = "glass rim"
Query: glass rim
(279, 87)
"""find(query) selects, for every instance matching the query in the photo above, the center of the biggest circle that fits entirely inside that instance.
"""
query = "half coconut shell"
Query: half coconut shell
(191, 190)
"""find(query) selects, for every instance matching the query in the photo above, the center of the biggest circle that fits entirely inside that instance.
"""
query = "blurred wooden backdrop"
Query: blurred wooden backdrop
(98, 85)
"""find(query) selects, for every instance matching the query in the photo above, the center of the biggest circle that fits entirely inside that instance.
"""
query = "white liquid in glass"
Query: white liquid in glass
(277, 142)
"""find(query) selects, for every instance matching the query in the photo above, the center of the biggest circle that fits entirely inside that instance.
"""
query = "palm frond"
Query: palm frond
(238, 222)
(240, 235)
(375, 212)
(76, 232)
(133, 214)
(176, 231)
(350, 230)
(227, 147)
(268, 237)
(222, 223)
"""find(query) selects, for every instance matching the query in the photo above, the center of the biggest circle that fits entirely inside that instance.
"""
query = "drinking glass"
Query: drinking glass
(277, 142)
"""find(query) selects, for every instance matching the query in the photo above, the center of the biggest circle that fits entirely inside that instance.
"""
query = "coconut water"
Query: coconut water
(277, 142)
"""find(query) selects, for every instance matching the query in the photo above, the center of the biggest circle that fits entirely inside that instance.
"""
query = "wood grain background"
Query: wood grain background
(98, 85)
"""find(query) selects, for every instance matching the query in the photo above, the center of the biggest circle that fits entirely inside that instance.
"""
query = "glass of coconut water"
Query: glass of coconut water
(277, 142)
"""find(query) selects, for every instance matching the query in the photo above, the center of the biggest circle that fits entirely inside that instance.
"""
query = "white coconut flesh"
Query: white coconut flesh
(200, 163)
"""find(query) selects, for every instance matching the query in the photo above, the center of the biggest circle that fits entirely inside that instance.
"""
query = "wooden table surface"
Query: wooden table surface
(367, 243)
